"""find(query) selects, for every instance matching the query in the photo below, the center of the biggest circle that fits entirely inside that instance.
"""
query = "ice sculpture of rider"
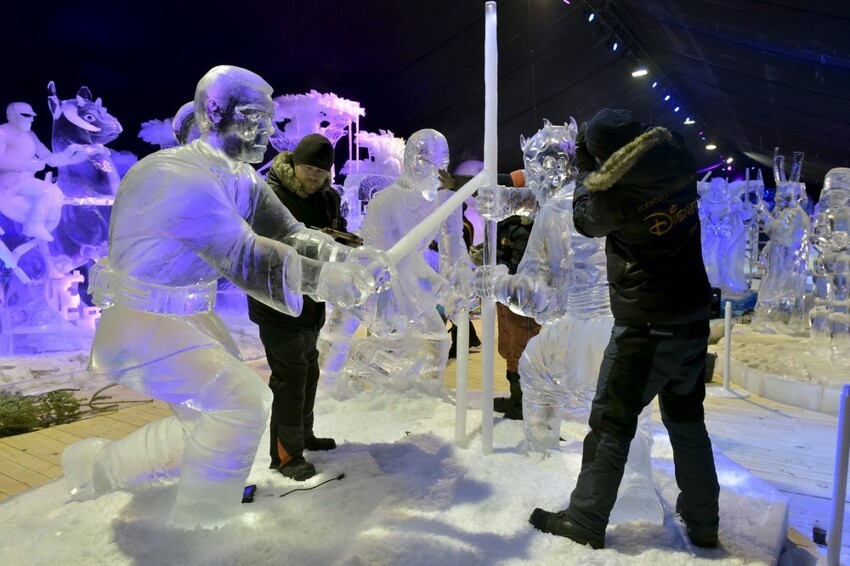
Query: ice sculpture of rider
(407, 346)
(35, 203)
(561, 282)
(182, 218)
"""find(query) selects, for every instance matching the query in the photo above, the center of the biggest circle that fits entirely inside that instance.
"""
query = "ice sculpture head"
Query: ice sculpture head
(183, 124)
(80, 120)
(20, 115)
(234, 112)
(425, 153)
(549, 157)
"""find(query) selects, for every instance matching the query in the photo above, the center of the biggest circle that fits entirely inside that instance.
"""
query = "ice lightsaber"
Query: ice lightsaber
(408, 242)
(488, 306)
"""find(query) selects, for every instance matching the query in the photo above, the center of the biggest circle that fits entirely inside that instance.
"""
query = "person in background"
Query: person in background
(637, 188)
(301, 180)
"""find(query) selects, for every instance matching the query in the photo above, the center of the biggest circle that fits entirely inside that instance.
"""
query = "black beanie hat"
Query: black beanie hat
(315, 150)
(610, 130)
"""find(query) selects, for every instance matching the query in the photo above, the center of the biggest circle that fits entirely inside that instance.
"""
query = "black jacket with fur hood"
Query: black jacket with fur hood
(319, 210)
(643, 200)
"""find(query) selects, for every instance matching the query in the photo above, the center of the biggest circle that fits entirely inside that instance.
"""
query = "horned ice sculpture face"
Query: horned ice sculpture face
(549, 158)
(425, 153)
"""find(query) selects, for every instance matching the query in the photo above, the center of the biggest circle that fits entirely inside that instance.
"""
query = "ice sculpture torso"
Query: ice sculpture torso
(724, 236)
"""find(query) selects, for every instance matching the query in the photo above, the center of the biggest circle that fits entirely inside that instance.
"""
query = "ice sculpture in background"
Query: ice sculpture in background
(407, 346)
(561, 281)
(174, 131)
(365, 177)
(723, 215)
(830, 313)
(781, 294)
(314, 113)
(184, 217)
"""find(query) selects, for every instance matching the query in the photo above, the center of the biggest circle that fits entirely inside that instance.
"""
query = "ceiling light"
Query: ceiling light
(613, 44)
(710, 147)
(730, 160)
(654, 84)
(640, 72)
(666, 97)
(676, 109)
(688, 121)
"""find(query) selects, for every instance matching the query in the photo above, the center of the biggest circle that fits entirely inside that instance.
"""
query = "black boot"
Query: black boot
(311, 442)
(510, 406)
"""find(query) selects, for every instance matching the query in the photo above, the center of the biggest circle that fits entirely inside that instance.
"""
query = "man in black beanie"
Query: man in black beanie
(301, 179)
(637, 188)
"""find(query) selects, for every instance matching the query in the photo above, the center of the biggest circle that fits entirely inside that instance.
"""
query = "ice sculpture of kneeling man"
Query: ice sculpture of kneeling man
(183, 217)
(561, 282)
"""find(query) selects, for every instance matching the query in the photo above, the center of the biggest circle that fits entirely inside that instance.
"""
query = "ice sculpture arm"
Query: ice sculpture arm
(499, 202)
(520, 293)
(316, 245)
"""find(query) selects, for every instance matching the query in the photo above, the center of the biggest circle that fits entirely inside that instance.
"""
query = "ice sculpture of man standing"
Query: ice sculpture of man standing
(24, 198)
(561, 283)
(183, 217)
(407, 344)
(643, 200)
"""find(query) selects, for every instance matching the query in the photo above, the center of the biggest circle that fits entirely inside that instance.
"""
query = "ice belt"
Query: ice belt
(109, 287)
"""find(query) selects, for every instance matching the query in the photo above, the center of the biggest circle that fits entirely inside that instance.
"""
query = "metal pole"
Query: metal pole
(839, 482)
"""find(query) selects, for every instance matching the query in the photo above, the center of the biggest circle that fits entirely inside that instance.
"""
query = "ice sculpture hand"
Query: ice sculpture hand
(490, 204)
(457, 304)
(345, 284)
(487, 278)
(377, 263)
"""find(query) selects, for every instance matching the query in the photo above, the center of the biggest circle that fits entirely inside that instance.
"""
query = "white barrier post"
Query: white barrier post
(461, 373)
(726, 389)
(839, 482)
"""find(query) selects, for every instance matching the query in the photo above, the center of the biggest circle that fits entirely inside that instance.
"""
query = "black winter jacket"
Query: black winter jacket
(643, 199)
(319, 210)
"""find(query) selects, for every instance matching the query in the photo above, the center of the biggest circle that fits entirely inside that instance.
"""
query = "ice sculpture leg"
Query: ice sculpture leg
(222, 409)
(334, 345)
(637, 499)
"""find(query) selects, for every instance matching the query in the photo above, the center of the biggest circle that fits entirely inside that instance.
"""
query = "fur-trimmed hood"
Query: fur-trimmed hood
(622, 160)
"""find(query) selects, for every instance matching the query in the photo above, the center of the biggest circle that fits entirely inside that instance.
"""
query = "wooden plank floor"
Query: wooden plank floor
(790, 448)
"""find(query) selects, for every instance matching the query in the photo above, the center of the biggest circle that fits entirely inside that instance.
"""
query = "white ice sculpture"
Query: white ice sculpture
(407, 345)
(830, 313)
(723, 215)
(561, 281)
(781, 294)
(184, 217)
(365, 177)
(314, 113)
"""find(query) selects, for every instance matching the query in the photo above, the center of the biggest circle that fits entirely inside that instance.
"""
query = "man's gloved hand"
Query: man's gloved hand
(376, 263)
(584, 161)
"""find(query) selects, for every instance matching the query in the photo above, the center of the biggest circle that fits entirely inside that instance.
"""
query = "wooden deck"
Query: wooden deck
(791, 448)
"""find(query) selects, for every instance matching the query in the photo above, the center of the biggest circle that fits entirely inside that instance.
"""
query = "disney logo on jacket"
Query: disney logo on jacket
(663, 222)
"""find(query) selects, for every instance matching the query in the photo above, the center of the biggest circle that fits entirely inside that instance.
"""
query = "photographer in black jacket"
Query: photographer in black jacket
(637, 188)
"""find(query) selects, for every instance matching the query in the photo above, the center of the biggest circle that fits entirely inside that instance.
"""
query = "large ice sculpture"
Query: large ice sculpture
(183, 217)
(407, 346)
(830, 313)
(561, 281)
(781, 292)
(723, 216)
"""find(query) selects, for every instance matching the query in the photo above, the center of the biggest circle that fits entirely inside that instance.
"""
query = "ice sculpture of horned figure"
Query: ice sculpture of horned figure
(561, 282)
(408, 345)
(183, 217)
(781, 294)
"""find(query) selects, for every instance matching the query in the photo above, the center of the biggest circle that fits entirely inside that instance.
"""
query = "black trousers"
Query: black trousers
(641, 362)
(294, 362)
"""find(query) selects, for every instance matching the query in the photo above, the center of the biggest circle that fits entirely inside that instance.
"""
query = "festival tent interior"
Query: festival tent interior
(746, 83)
